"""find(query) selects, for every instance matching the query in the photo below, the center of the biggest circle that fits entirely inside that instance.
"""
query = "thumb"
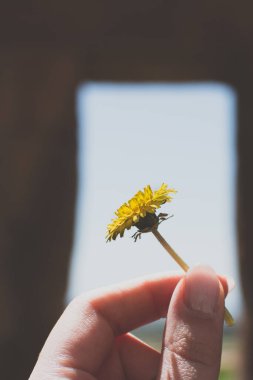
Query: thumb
(193, 333)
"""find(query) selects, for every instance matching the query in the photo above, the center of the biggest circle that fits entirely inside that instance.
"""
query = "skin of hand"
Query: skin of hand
(91, 340)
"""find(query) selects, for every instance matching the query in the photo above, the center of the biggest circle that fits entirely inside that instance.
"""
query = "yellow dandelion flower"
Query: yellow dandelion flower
(139, 211)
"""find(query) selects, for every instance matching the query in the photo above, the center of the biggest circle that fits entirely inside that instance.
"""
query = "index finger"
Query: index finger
(86, 331)
(133, 304)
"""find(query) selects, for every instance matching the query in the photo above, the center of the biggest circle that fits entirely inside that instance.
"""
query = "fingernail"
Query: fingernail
(202, 289)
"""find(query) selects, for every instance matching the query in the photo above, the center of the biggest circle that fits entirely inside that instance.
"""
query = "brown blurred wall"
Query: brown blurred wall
(47, 48)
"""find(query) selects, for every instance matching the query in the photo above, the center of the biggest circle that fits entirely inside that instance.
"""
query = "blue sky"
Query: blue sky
(134, 135)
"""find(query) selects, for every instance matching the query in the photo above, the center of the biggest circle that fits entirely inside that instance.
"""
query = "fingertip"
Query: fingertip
(227, 283)
(202, 290)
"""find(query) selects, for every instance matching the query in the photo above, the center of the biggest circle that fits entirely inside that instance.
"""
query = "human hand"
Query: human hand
(91, 340)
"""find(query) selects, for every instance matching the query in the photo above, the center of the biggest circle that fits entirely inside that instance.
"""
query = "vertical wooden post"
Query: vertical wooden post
(37, 198)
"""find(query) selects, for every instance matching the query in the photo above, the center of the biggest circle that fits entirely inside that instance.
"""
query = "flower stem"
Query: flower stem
(227, 316)
(170, 250)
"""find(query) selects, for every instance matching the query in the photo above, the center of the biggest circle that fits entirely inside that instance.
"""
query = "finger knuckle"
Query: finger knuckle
(191, 348)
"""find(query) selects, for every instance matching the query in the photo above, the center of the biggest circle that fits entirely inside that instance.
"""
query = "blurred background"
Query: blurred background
(97, 100)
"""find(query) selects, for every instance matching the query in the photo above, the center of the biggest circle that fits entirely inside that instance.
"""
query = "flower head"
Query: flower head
(139, 211)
